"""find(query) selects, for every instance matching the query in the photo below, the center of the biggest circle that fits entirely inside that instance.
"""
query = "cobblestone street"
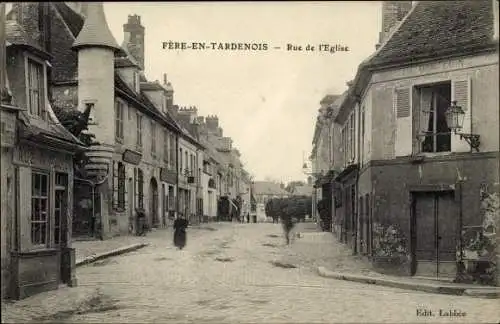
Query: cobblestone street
(236, 273)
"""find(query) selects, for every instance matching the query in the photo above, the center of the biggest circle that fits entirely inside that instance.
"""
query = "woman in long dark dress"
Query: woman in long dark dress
(180, 225)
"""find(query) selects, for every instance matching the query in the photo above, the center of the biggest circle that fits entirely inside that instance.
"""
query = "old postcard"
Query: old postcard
(250, 162)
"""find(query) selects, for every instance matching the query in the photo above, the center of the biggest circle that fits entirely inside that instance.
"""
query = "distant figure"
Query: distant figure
(288, 225)
(180, 225)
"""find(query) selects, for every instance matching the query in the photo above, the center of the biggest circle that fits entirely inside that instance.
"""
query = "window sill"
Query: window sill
(35, 252)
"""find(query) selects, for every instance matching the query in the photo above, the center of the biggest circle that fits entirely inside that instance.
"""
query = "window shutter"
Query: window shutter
(24, 188)
(115, 185)
(136, 187)
(461, 93)
(402, 110)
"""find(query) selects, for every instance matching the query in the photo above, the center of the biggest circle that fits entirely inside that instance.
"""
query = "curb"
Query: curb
(122, 250)
(430, 288)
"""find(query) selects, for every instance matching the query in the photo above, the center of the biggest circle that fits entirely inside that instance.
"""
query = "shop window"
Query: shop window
(39, 208)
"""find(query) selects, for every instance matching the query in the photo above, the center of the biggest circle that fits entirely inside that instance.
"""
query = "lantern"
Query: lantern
(455, 117)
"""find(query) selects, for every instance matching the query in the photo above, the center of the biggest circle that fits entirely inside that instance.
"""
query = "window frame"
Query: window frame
(166, 146)
(42, 109)
(119, 121)
(139, 131)
(153, 138)
(48, 218)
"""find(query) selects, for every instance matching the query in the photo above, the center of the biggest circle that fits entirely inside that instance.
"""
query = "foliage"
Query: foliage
(480, 243)
(292, 184)
(294, 207)
(389, 241)
(76, 122)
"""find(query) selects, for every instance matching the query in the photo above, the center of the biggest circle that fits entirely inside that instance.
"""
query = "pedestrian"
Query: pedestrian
(180, 225)
(288, 225)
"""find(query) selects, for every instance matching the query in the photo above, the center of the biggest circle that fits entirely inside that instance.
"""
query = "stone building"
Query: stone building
(324, 156)
(415, 172)
(133, 164)
(36, 161)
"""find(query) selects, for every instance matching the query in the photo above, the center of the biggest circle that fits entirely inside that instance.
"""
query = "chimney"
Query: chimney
(392, 13)
(212, 123)
(4, 97)
(134, 33)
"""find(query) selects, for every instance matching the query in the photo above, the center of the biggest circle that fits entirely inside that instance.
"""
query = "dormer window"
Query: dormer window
(35, 85)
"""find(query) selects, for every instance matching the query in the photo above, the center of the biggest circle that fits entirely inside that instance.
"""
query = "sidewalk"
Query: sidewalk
(93, 250)
(334, 260)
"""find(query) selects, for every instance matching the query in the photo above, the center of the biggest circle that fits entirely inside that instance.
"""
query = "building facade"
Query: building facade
(408, 171)
(37, 163)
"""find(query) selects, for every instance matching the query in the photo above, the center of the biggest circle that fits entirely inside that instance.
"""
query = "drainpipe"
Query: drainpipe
(358, 150)
(178, 178)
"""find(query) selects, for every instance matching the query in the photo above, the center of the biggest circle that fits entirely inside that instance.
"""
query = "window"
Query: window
(172, 151)
(121, 186)
(180, 160)
(36, 91)
(139, 131)
(153, 138)
(166, 143)
(352, 144)
(186, 162)
(433, 129)
(119, 115)
(39, 208)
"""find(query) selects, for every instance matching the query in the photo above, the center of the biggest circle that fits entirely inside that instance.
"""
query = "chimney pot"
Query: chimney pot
(165, 79)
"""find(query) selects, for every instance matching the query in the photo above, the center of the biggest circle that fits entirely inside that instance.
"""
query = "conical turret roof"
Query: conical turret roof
(95, 30)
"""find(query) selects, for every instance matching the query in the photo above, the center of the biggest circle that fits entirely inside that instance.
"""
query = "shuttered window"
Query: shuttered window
(140, 189)
(402, 102)
(403, 145)
(166, 142)
(121, 186)
(172, 152)
(153, 138)
(139, 131)
(461, 93)
(119, 115)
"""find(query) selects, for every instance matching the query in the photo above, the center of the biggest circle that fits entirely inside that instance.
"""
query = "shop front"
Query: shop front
(41, 254)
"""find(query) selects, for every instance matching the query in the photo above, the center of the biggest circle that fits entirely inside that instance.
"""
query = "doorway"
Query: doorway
(154, 202)
(434, 225)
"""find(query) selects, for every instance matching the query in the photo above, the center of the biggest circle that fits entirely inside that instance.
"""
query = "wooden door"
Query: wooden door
(434, 234)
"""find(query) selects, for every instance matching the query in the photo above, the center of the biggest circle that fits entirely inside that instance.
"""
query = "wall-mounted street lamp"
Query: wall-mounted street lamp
(455, 119)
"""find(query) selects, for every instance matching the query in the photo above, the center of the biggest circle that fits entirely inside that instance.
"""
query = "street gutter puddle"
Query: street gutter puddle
(283, 265)
(162, 259)
(104, 263)
(224, 259)
(273, 235)
(270, 245)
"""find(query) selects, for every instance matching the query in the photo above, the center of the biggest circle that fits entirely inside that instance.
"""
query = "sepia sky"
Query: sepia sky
(266, 101)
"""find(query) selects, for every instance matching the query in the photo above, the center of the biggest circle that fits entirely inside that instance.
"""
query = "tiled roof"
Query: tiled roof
(268, 188)
(123, 62)
(33, 127)
(305, 190)
(16, 35)
(150, 86)
(144, 101)
(72, 19)
(439, 28)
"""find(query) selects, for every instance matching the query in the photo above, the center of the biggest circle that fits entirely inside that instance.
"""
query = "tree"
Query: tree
(76, 122)
(290, 187)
